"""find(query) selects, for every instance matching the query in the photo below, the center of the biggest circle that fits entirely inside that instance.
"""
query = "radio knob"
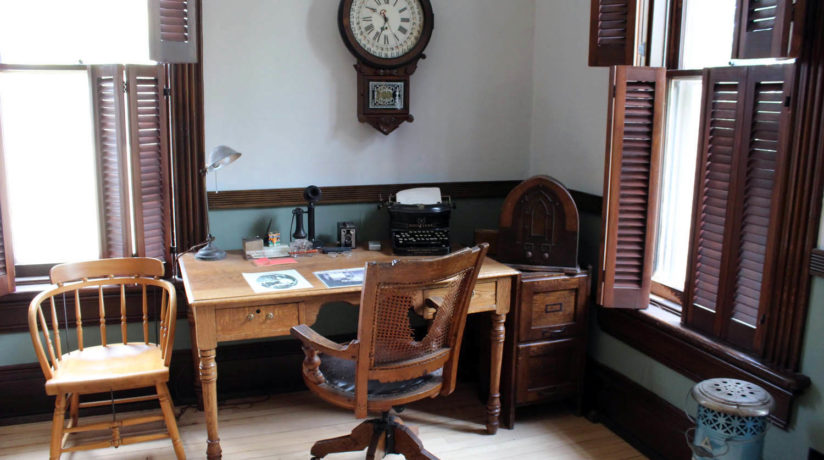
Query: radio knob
(546, 255)
(529, 254)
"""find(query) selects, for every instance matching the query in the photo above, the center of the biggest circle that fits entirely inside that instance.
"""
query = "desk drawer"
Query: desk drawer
(483, 296)
(548, 370)
(255, 322)
(552, 308)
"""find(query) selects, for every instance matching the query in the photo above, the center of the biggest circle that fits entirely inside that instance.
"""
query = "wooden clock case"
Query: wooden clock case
(371, 68)
(546, 331)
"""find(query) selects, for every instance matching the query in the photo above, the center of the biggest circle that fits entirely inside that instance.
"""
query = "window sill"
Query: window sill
(660, 335)
(14, 307)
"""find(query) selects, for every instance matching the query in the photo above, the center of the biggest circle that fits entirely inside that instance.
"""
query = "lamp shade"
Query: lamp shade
(220, 157)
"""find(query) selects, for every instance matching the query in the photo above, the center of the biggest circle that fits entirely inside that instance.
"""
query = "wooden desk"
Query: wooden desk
(223, 307)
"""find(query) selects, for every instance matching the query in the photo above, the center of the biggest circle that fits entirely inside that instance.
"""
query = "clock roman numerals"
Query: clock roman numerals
(387, 29)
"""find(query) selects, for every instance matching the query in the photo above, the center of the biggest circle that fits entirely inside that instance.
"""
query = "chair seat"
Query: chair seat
(111, 367)
(340, 377)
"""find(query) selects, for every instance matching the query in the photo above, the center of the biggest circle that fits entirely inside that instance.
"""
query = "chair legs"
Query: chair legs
(56, 445)
(169, 417)
(386, 435)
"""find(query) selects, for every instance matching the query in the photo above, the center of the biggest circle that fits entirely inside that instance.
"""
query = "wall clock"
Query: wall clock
(388, 38)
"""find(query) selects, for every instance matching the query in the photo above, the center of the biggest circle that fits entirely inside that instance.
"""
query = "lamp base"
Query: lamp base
(210, 251)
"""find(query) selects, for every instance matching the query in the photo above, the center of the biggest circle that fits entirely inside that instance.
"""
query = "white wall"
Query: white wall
(570, 98)
(280, 88)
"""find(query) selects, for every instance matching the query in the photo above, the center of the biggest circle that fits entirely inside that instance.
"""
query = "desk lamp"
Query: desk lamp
(220, 157)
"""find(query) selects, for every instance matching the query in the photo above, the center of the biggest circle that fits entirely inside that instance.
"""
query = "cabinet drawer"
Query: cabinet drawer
(549, 370)
(255, 322)
(483, 296)
(552, 308)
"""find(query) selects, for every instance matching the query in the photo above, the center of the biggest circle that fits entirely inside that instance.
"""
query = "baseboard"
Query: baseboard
(645, 420)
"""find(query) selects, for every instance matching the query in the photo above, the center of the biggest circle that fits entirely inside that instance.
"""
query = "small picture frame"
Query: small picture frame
(386, 95)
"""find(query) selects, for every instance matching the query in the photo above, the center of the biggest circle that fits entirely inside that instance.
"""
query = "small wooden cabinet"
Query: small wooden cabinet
(546, 341)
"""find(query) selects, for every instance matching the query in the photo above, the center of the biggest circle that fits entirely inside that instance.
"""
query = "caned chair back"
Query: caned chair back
(396, 292)
(102, 286)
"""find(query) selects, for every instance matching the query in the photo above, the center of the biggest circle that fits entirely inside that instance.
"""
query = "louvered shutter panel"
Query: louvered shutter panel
(6, 258)
(739, 178)
(110, 137)
(763, 28)
(635, 125)
(612, 32)
(173, 30)
(722, 115)
(148, 140)
(760, 167)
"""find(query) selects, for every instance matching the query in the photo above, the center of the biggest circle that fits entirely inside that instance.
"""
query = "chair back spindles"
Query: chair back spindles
(79, 319)
(141, 275)
(102, 313)
(56, 326)
(47, 336)
(123, 322)
(145, 316)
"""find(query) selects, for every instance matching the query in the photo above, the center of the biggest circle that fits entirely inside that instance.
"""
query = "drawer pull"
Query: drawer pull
(474, 292)
(270, 315)
(548, 391)
(250, 317)
(554, 331)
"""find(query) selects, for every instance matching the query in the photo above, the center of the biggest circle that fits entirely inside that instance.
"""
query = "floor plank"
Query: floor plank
(285, 426)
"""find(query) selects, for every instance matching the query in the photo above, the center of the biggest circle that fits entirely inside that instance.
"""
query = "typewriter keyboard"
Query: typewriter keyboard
(423, 242)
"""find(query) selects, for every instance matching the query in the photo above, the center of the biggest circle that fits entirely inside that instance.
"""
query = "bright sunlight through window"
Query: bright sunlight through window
(50, 165)
(677, 182)
(708, 33)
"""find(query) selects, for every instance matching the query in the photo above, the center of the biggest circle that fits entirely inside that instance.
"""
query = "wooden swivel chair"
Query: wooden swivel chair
(74, 368)
(387, 366)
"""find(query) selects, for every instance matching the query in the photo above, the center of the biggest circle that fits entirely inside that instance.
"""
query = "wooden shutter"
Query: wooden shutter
(744, 143)
(722, 114)
(113, 169)
(173, 30)
(148, 141)
(764, 28)
(6, 258)
(634, 127)
(612, 32)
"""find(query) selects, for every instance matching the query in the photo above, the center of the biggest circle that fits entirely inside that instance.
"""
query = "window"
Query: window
(695, 204)
(729, 248)
(84, 139)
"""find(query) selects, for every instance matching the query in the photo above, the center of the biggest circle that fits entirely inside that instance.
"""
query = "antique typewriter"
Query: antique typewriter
(419, 229)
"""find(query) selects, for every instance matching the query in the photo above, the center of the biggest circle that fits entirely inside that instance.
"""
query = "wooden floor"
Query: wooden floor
(285, 426)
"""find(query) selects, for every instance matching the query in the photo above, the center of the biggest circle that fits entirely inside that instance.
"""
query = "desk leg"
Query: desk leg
(195, 360)
(496, 355)
(208, 379)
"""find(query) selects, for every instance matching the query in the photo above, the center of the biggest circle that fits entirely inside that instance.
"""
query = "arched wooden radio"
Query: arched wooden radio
(546, 331)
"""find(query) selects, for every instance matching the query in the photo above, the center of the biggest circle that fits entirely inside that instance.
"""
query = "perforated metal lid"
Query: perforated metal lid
(732, 396)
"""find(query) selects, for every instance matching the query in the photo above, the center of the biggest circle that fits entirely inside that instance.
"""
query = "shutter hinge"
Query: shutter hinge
(763, 319)
(125, 87)
(787, 101)
(167, 91)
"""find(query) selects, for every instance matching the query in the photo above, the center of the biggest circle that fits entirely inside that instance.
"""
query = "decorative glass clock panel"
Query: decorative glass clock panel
(386, 28)
(386, 95)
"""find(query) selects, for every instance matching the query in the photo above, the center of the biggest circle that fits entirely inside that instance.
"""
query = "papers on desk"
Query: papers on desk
(286, 280)
(341, 278)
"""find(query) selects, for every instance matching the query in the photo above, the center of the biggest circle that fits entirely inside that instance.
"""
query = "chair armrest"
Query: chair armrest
(321, 344)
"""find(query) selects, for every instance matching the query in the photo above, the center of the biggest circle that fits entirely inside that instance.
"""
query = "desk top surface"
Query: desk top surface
(212, 282)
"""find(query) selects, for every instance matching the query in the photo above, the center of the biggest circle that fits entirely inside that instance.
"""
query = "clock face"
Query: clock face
(386, 29)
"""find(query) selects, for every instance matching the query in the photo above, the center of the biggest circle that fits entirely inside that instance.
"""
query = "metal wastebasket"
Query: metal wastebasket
(732, 420)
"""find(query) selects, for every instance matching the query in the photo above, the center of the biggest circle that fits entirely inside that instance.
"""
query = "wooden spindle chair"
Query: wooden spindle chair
(74, 368)
(387, 366)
